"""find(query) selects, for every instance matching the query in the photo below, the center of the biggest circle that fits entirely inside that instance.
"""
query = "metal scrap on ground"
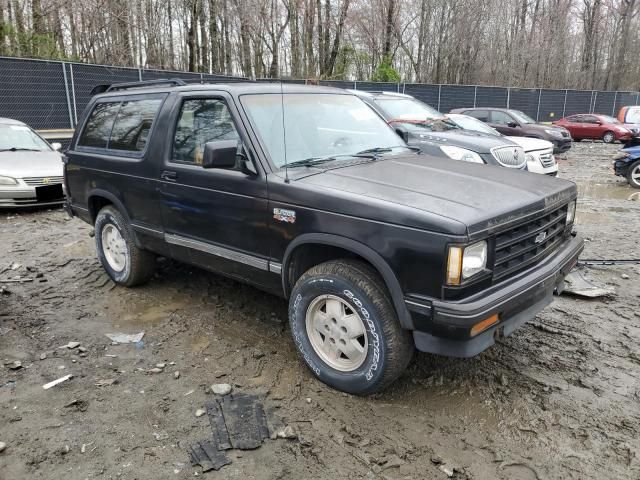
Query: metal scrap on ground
(237, 421)
(125, 337)
(578, 284)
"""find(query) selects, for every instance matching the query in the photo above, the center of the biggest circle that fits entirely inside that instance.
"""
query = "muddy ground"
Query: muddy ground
(558, 399)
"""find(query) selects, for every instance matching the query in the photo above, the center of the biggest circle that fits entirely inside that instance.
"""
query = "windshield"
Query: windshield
(607, 119)
(20, 137)
(469, 123)
(522, 117)
(406, 108)
(317, 125)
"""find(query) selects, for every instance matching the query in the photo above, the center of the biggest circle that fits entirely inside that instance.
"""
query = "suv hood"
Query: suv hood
(438, 194)
(471, 140)
(22, 164)
(531, 144)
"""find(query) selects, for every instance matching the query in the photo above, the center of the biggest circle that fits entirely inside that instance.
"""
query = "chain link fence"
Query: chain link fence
(52, 94)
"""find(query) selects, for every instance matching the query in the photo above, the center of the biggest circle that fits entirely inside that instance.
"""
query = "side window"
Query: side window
(133, 124)
(589, 119)
(98, 128)
(201, 120)
(482, 115)
(574, 119)
(500, 118)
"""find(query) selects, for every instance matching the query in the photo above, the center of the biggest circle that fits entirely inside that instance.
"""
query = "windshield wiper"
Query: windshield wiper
(374, 152)
(311, 161)
(16, 149)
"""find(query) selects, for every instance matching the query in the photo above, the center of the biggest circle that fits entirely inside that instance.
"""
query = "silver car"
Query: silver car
(30, 169)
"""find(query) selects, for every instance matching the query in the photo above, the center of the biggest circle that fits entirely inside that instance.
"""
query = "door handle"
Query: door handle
(169, 176)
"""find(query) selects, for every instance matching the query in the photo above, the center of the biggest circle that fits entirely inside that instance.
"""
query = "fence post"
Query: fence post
(564, 105)
(538, 110)
(508, 97)
(475, 95)
(439, 92)
(73, 93)
(595, 100)
(202, 78)
(355, 84)
(613, 109)
(66, 91)
(404, 85)
(139, 74)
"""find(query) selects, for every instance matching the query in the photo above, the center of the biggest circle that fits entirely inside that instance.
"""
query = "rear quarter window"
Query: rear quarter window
(121, 126)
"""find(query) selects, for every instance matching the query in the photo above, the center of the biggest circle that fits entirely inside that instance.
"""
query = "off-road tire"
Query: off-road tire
(634, 166)
(609, 137)
(140, 264)
(390, 347)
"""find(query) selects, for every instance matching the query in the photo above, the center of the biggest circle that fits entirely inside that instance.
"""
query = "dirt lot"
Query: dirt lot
(558, 399)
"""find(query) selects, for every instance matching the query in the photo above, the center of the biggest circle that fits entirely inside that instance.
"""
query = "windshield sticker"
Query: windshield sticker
(283, 215)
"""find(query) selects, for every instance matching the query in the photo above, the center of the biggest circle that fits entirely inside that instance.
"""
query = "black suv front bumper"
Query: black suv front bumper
(515, 301)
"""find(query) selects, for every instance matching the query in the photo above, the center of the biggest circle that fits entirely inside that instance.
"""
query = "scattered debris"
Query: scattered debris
(287, 432)
(125, 337)
(200, 412)
(47, 386)
(155, 370)
(188, 393)
(446, 469)
(578, 284)
(624, 276)
(176, 375)
(71, 345)
(43, 356)
(15, 365)
(4, 290)
(221, 388)
(3, 446)
(207, 455)
(107, 382)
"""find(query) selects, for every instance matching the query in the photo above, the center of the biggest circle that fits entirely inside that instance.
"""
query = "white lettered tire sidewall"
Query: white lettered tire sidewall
(366, 377)
(110, 216)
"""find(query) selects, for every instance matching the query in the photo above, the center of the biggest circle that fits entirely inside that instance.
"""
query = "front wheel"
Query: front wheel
(633, 174)
(609, 137)
(346, 329)
(122, 259)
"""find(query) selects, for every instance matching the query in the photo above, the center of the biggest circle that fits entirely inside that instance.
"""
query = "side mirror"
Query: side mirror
(220, 154)
(403, 134)
(512, 125)
(56, 146)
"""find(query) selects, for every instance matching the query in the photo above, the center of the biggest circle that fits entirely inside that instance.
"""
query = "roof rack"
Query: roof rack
(174, 82)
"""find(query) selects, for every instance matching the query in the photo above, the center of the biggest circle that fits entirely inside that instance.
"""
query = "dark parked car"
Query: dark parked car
(592, 126)
(310, 195)
(426, 128)
(627, 164)
(517, 124)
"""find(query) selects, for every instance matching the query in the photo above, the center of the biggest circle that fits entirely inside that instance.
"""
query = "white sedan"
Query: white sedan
(539, 153)
(31, 170)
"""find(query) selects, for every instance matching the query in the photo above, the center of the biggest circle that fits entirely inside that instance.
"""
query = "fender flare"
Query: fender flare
(98, 192)
(389, 278)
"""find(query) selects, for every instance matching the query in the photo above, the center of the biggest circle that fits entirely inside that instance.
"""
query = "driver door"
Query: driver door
(215, 218)
(504, 123)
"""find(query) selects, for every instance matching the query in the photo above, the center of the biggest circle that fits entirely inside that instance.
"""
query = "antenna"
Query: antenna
(284, 136)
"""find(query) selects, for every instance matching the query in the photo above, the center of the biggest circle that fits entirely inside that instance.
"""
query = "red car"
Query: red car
(595, 126)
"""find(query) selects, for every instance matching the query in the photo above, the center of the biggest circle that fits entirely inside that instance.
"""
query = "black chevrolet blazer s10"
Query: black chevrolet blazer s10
(307, 193)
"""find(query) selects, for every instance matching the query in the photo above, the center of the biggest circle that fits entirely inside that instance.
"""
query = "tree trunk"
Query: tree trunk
(191, 37)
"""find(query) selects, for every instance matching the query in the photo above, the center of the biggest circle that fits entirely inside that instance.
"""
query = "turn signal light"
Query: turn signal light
(484, 324)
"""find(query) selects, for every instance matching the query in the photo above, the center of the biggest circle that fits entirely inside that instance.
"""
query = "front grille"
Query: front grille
(547, 159)
(41, 181)
(512, 157)
(527, 243)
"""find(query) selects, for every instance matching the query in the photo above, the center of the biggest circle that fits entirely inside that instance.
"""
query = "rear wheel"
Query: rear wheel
(609, 137)
(346, 329)
(633, 174)
(122, 259)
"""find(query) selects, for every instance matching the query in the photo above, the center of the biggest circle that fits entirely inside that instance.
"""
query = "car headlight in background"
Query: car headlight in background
(571, 213)
(465, 262)
(8, 181)
(459, 153)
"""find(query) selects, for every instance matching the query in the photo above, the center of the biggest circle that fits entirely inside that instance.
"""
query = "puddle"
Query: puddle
(144, 315)
(606, 191)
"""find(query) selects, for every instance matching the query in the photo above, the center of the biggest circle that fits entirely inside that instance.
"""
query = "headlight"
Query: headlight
(8, 181)
(465, 262)
(571, 213)
(458, 153)
(554, 133)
